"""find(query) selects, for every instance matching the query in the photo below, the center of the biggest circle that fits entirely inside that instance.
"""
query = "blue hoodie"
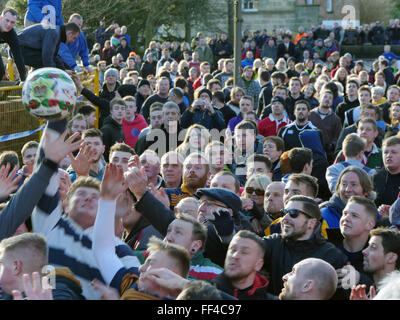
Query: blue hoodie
(35, 14)
(69, 51)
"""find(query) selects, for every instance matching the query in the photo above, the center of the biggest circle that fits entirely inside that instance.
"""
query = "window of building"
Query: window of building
(250, 5)
(329, 6)
(309, 2)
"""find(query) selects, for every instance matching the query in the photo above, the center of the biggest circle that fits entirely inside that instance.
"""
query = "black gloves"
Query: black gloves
(223, 223)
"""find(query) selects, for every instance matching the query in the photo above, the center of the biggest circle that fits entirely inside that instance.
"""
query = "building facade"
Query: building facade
(290, 14)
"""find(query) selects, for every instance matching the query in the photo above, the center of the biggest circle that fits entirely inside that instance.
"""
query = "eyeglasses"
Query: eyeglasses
(211, 203)
(259, 192)
(293, 213)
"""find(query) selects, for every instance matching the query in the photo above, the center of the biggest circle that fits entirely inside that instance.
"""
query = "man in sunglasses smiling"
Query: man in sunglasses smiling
(300, 239)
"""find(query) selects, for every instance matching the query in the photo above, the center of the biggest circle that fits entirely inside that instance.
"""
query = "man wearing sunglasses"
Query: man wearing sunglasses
(300, 239)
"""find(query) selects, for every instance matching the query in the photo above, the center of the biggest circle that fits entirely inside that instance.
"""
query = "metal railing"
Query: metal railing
(17, 126)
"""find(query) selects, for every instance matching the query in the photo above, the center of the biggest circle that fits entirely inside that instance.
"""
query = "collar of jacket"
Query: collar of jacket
(185, 190)
(315, 240)
(225, 284)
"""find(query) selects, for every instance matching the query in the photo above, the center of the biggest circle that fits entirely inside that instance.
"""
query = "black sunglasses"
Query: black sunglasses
(293, 213)
(259, 192)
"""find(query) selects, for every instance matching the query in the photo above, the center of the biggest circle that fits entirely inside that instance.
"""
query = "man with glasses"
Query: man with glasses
(300, 239)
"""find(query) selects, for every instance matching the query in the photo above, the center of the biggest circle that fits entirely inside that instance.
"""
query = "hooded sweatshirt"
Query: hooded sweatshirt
(332, 211)
(257, 291)
(132, 129)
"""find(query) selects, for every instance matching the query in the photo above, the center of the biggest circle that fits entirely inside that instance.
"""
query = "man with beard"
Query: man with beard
(301, 238)
(290, 133)
(195, 174)
(310, 279)
(381, 257)
(273, 200)
(92, 138)
(244, 259)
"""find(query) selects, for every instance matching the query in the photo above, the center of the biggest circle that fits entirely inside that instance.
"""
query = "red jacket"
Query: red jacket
(270, 127)
(132, 129)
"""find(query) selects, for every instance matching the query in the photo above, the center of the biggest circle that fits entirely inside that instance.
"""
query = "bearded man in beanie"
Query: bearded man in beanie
(143, 92)
(202, 112)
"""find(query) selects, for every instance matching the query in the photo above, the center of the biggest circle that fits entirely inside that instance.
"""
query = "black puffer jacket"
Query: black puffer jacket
(282, 254)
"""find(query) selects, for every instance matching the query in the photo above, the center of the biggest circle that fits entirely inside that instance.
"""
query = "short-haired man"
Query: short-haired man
(251, 87)
(327, 122)
(69, 51)
(150, 162)
(258, 164)
(353, 150)
(120, 153)
(39, 44)
(300, 161)
(246, 104)
(270, 125)
(358, 219)
(294, 95)
(245, 144)
(8, 35)
(132, 123)
(227, 72)
(301, 238)
(368, 111)
(310, 279)
(368, 130)
(273, 200)
(189, 205)
(89, 112)
(165, 137)
(218, 157)
(266, 91)
(350, 100)
(273, 147)
(387, 180)
(393, 96)
(244, 259)
(194, 176)
(68, 232)
(112, 127)
(92, 163)
(77, 124)
(28, 153)
(24, 253)
(382, 255)
(290, 133)
(218, 102)
(365, 97)
(161, 95)
(171, 169)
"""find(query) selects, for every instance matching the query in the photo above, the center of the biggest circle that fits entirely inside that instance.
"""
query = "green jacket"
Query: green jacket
(206, 55)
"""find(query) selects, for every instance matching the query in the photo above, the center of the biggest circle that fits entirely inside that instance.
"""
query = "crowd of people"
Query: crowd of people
(283, 186)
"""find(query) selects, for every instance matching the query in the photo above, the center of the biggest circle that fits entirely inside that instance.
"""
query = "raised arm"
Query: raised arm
(104, 230)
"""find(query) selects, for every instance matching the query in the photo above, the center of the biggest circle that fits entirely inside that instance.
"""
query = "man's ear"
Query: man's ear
(391, 257)
(307, 286)
(17, 267)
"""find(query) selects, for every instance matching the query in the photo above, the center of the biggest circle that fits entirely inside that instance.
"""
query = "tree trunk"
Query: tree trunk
(188, 32)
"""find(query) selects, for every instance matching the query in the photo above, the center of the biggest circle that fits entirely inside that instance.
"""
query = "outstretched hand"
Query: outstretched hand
(83, 161)
(58, 149)
(7, 182)
(113, 182)
(34, 289)
(166, 279)
(136, 180)
(161, 195)
(107, 293)
(359, 293)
